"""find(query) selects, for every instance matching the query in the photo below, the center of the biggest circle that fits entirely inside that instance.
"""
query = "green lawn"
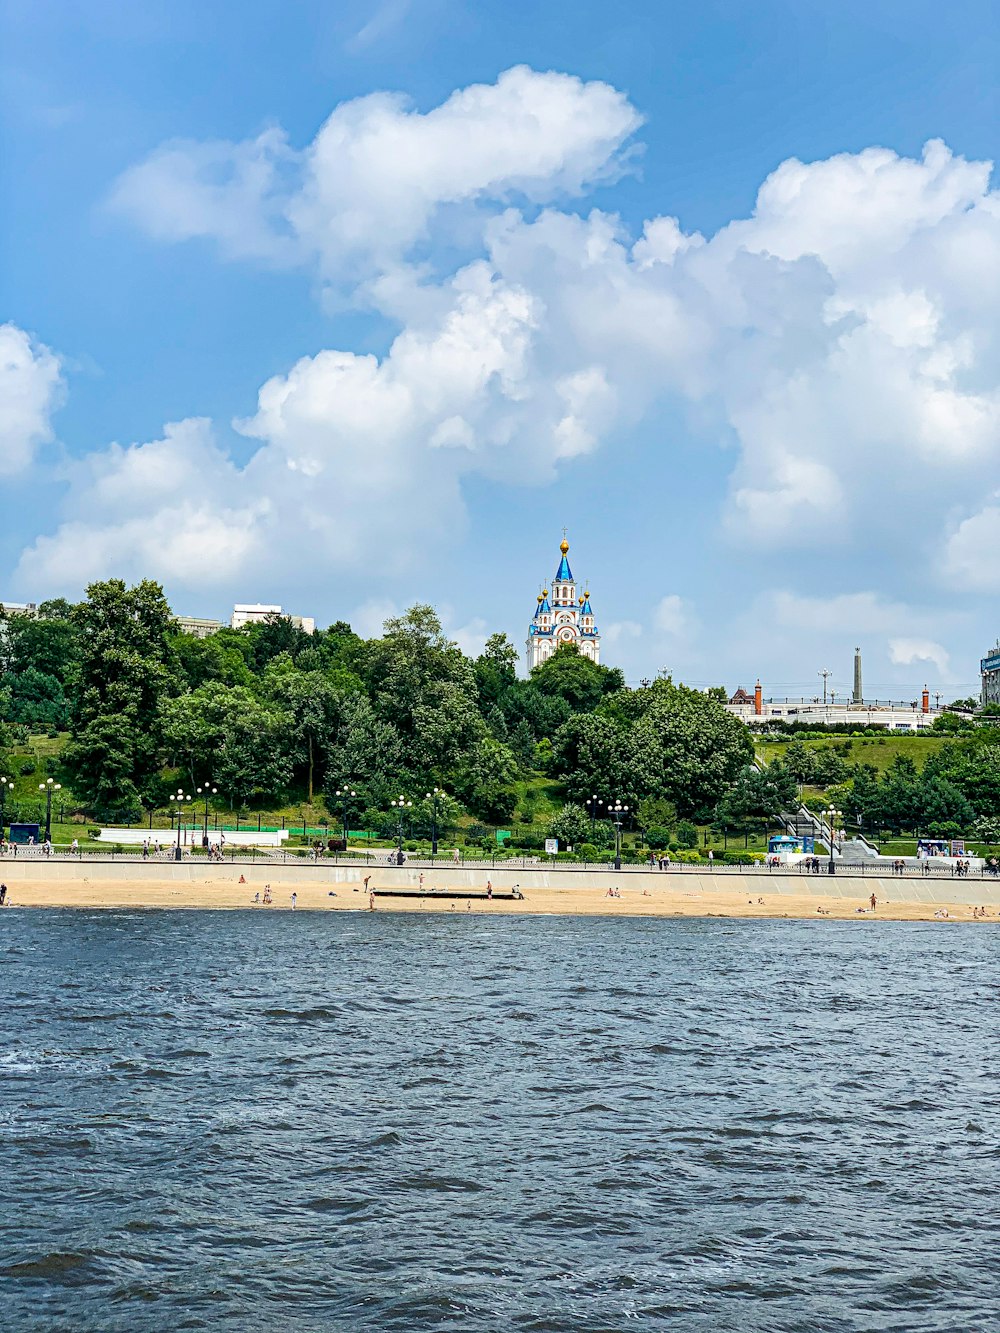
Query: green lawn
(879, 751)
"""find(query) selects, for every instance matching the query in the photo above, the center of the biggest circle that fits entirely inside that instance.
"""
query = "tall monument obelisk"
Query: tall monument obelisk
(857, 697)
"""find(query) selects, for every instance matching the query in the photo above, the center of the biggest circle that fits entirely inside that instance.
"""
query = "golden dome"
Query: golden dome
(564, 546)
(545, 592)
(582, 600)
(540, 599)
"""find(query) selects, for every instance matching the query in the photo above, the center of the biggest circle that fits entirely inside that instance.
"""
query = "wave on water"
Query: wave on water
(530, 1125)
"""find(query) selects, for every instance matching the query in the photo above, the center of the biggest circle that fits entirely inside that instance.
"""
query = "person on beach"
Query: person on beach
(295, 898)
(256, 897)
(873, 900)
(516, 892)
(3, 895)
(371, 899)
(267, 893)
(243, 879)
(367, 878)
(489, 890)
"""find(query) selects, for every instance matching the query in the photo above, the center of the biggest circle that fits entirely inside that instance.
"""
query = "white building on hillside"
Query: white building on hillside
(894, 716)
(255, 613)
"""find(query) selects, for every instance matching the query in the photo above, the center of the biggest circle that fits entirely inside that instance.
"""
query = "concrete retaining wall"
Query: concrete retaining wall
(757, 883)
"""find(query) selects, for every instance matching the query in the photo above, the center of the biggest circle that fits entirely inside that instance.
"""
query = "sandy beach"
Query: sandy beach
(735, 896)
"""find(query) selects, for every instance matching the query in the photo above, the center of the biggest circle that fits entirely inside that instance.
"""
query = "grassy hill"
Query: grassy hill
(879, 751)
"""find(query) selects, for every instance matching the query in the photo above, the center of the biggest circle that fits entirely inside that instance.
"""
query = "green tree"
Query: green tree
(126, 670)
(800, 761)
(571, 826)
(698, 746)
(570, 676)
(485, 780)
(495, 670)
(758, 796)
(102, 757)
(312, 706)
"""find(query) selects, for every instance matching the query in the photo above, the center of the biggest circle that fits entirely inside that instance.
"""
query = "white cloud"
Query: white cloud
(30, 390)
(843, 340)
(972, 554)
(672, 617)
(367, 188)
(164, 509)
(620, 631)
(905, 652)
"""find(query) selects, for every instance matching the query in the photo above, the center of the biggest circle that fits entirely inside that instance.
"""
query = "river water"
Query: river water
(254, 1121)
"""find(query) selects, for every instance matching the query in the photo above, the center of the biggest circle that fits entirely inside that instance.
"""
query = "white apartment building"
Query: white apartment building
(254, 613)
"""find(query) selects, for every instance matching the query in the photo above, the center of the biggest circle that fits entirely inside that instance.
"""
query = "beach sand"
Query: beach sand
(671, 895)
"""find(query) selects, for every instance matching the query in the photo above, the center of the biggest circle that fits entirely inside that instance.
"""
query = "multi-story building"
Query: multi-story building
(254, 613)
(29, 609)
(198, 626)
(989, 670)
(565, 619)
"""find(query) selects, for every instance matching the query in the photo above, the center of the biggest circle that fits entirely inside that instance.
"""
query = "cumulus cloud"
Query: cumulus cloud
(905, 652)
(972, 554)
(366, 190)
(672, 617)
(841, 343)
(163, 509)
(30, 390)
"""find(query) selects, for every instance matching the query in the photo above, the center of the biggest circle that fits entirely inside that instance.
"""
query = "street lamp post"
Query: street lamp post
(832, 815)
(48, 787)
(618, 812)
(179, 800)
(401, 805)
(344, 794)
(592, 805)
(5, 786)
(432, 796)
(207, 792)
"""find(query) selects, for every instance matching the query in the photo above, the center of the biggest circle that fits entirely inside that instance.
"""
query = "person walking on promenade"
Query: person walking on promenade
(711, 859)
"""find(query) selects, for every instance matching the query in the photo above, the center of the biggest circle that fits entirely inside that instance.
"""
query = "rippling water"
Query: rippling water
(238, 1121)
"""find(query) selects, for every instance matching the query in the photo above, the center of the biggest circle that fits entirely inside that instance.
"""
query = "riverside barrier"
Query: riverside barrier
(163, 865)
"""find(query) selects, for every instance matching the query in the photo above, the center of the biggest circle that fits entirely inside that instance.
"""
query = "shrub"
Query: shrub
(688, 856)
(687, 834)
(27, 767)
(658, 838)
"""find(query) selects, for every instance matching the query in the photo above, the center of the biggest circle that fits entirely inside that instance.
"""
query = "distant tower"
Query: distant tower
(858, 696)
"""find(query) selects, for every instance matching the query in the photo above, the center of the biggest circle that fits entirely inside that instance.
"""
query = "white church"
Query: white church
(565, 619)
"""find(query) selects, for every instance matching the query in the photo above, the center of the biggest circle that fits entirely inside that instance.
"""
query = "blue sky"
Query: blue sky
(771, 426)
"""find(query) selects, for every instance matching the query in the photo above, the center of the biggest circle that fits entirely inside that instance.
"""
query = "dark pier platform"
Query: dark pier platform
(445, 893)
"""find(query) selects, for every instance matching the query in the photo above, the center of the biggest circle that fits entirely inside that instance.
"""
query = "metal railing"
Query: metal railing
(906, 867)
